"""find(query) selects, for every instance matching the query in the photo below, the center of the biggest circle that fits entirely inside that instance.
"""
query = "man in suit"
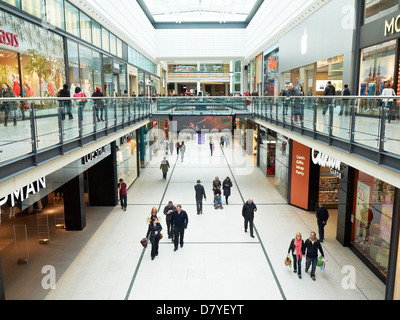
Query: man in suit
(200, 194)
(179, 222)
(168, 210)
(248, 214)
(322, 218)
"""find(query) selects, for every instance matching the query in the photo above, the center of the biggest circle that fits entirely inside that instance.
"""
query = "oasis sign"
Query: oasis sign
(323, 160)
(9, 39)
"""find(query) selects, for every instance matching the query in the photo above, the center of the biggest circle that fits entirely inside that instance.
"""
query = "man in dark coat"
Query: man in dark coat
(168, 210)
(329, 91)
(312, 245)
(226, 186)
(322, 219)
(179, 222)
(248, 214)
(200, 194)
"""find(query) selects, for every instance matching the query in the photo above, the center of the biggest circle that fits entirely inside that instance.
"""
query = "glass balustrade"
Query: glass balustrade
(34, 125)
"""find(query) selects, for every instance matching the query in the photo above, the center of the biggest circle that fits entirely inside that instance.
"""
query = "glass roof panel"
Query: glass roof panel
(200, 10)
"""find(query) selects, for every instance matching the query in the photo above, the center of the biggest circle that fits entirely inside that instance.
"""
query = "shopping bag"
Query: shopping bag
(323, 265)
(288, 261)
(319, 263)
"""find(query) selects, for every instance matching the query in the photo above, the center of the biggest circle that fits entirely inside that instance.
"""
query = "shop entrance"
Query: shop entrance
(116, 91)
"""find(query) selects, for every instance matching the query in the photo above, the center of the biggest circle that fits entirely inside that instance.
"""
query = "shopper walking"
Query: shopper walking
(312, 245)
(322, 219)
(200, 194)
(212, 147)
(182, 150)
(168, 210)
(388, 103)
(179, 222)
(344, 106)
(329, 91)
(153, 214)
(178, 146)
(216, 186)
(154, 233)
(294, 93)
(248, 210)
(66, 104)
(81, 103)
(99, 104)
(166, 145)
(226, 186)
(171, 147)
(298, 249)
(123, 194)
(10, 106)
(164, 166)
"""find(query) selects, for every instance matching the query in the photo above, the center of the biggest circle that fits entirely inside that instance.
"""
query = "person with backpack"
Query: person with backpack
(344, 106)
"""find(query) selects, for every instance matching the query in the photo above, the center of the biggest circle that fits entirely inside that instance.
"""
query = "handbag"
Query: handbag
(144, 242)
(161, 235)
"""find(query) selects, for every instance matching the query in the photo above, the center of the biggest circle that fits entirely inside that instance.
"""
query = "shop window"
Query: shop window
(96, 69)
(375, 9)
(55, 13)
(372, 226)
(35, 8)
(72, 19)
(377, 69)
(86, 27)
(9, 71)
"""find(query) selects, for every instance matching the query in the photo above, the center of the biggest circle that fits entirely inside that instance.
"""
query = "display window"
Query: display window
(32, 63)
(377, 67)
(328, 189)
(282, 165)
(372, 219)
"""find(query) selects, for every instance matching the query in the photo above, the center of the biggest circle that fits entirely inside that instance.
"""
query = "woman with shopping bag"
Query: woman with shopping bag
(298, 249)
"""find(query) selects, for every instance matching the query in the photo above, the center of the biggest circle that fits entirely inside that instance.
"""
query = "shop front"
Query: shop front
(309, 58)
(31, 60)
(267, 152)
(282, 162)
(127, 158)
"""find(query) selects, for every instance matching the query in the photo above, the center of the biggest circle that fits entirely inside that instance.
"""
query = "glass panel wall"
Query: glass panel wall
(86, 27)
(97, 72)
(282, 165)
(15, 3)
(35, 8)
(55, 13)
(73, 66)
(113, 44)
(72, 19)
(127, 164)
(86, 67)
(105, 37)
(96, 34)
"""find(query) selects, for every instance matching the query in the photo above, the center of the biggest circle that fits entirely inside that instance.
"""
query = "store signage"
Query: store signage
(9, 39)
(392, 26)
(326, 161)
(128, 137)
(272, 64)
(23, 193)
(94, 155)
(300, 175)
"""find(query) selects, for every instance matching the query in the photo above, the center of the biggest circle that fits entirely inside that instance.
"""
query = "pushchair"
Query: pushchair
(218, 201)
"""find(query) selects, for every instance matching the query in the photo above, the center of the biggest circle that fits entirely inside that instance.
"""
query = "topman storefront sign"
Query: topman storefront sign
(392, 26)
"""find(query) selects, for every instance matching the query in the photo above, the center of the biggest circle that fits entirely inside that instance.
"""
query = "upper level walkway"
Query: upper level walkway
(43, 129)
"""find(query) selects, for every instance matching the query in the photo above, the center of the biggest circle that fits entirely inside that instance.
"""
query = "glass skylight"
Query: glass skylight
(200, 10)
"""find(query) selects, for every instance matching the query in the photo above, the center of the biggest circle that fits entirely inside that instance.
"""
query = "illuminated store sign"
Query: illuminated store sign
(392, 26)
(9, 39)
(324, 160)
(94, 155)
(23, 193)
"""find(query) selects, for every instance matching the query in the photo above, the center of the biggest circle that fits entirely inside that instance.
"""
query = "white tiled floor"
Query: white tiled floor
(218, 260)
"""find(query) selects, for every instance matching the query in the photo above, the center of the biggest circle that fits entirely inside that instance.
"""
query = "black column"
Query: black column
(313, 186)
(103, 181)
(74, 204)
(345, 206)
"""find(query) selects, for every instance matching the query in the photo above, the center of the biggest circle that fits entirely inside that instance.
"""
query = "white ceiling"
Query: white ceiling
(126, 19)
